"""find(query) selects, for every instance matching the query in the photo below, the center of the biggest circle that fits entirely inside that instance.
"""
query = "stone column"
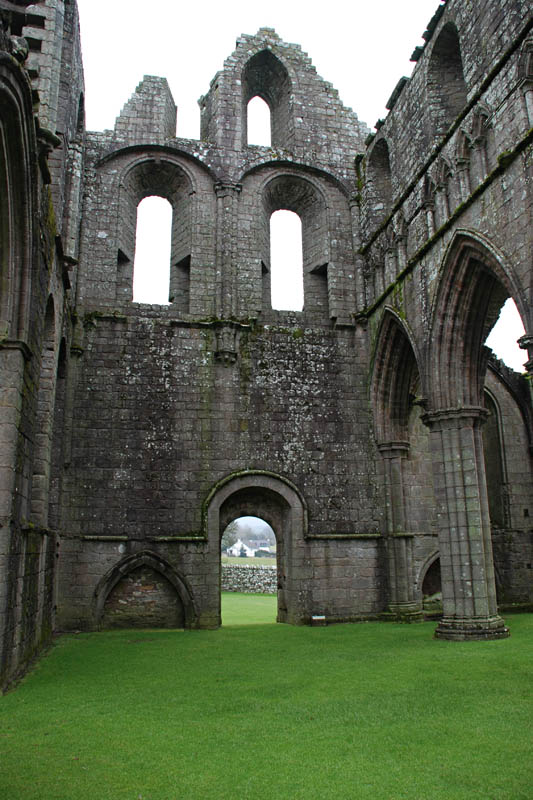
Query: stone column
(526, 343)
(463, 173)
(429, 208)
(13, 487)
(360, 288)
(441, 203)
(479, 157)
(468, 585)
(401, 251)
(402, 602)
(527, 90)
(72, 219)
(227, 199)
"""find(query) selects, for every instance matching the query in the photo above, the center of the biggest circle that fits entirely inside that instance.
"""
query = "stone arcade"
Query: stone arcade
(373, 430)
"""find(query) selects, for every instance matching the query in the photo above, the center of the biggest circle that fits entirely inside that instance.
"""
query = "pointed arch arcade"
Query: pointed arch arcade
(474, 283)
(395, 380)
(17, 201)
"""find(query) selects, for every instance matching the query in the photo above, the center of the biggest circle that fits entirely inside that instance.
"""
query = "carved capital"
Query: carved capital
(227, 189)
(395, 449)
(444, 418)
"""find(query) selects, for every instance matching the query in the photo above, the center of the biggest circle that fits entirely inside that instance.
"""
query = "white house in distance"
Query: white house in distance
(237, 548)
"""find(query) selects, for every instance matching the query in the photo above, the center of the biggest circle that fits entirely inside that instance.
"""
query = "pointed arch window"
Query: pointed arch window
(446, 84)
(379, 190)
(265, 77)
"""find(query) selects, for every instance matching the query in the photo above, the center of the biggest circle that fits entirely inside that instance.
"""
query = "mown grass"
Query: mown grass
(272, 711)
(248, 609)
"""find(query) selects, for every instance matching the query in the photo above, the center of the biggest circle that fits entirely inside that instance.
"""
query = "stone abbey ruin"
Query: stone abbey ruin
(373, 430)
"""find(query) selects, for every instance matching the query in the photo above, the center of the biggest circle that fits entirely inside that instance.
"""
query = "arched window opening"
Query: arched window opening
(446, 83)
(151, 268)
(286, 261)
(258, 125)
(264, 76)
(503, 337)
(249, 541)
(492, 449)
(379, 182)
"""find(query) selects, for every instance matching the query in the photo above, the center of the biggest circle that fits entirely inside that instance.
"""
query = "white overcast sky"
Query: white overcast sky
(361, 46)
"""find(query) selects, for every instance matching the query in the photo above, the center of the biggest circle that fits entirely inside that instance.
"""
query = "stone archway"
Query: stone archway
(395, 376)
(144, 591)
(474, 283)
(278, 502)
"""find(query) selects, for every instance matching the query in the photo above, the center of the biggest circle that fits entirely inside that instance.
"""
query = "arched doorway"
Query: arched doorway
(278, 502)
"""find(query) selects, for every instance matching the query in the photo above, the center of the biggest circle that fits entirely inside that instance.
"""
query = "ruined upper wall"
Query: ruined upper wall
(308, 118)
(309, 123)
(459, 97)
(149, 116)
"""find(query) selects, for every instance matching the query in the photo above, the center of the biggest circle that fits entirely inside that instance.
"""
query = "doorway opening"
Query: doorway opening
(249, 572)
(432, 589)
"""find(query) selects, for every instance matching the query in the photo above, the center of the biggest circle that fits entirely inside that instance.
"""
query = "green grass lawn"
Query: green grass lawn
(264, 711)
(248, 609)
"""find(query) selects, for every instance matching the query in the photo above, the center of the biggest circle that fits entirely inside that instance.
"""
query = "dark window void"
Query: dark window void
(258, 125)
(286, 261)
(446, 83)
(151, 269)
(494, 463)
(431, 585)
(379, 187)
(503, 337)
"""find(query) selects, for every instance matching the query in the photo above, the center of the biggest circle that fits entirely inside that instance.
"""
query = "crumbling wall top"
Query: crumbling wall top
(149, 116)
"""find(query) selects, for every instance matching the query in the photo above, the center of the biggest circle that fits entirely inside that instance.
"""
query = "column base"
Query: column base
(403, 612)
(464, 629)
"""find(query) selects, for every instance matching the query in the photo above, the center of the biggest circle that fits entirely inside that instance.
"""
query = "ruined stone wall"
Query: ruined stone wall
(449, 171)
(171, 400)
(507, 453)
(249, 579)
(33, 296)
(132, 434)
(161, 420)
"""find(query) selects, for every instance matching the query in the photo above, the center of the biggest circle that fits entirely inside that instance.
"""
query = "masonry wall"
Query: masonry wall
(170, 400)
(249, 579)
(132, 434)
